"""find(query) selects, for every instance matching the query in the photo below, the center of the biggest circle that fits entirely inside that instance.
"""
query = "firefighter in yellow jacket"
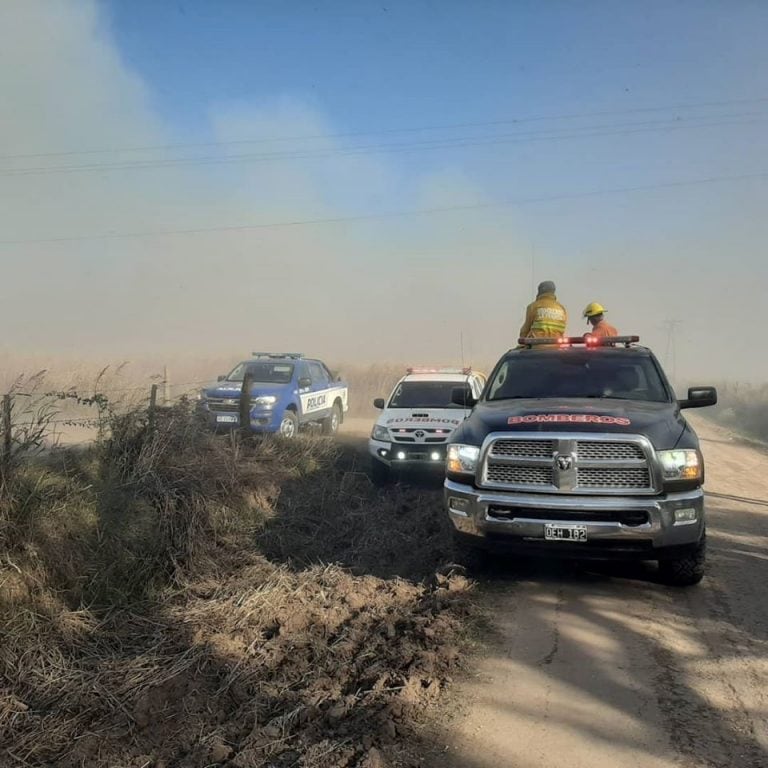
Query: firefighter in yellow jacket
(546, 317)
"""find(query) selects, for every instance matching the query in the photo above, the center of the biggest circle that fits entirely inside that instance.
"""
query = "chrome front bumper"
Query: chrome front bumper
(528, 513)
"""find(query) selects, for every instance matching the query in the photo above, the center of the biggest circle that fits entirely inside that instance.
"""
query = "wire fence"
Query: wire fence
(106, 391)
(34, 417)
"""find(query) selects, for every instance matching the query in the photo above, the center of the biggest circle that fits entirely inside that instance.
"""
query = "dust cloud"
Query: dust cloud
(403, 287)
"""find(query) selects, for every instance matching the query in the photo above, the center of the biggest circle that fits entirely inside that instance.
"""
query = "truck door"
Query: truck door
(316, 404)
(305, 392)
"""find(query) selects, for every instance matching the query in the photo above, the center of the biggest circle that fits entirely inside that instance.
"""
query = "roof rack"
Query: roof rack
(416, 369)
(585, 341)
(291, 355)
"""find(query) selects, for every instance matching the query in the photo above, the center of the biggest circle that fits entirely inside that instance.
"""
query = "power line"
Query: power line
(388, 215)
(594, 131)
(389, 131)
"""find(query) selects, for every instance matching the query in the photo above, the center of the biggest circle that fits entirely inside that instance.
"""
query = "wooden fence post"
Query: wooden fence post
(245, 403)
(7, 427)
(152, 408)
(166, 387)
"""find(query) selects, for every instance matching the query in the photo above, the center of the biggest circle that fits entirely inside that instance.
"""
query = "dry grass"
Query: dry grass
(250, 661)
(144, 624)
(743, 408)
(127, 383)
(367, 382)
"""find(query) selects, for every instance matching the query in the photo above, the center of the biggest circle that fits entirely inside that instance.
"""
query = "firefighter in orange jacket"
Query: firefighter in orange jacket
(545, 318)
(595, 314)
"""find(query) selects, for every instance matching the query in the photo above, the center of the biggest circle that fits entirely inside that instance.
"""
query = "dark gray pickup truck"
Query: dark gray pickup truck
(580, 449)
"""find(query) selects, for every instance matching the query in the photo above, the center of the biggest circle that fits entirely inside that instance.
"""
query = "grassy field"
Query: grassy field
(72, 395)
(743, 408)
(168, 597)
(127, 384)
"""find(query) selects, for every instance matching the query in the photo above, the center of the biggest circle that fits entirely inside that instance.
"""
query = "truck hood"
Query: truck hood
(431, 418)
(661, 423)
(232, 389)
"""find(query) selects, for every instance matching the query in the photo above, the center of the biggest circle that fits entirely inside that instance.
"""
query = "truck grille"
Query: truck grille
(569, 464)
(520, 475)
(223, 404)
(527, 449)
(420, 435)
(599, 450)
(637, 477)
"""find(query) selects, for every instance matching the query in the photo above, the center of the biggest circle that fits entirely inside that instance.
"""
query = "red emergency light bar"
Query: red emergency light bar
(464, 371)
(277, 355)
(585, 341)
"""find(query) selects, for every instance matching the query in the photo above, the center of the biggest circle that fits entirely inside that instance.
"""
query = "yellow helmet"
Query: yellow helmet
(594, 309)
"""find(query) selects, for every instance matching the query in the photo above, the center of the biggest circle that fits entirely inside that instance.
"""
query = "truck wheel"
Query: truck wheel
(331, 424)
(685, 571)
(380, 473)
(289, 425)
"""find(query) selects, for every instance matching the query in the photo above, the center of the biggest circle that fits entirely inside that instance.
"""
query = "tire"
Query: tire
(289, 425)
(685, 571)
(381, 475)
(331, 424)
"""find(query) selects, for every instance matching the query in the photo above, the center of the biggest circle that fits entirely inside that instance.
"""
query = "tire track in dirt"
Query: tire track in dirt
(549, 658)
(708, 722)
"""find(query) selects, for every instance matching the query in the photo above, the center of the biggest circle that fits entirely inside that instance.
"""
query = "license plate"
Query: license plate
(226, 419)
(565, 532)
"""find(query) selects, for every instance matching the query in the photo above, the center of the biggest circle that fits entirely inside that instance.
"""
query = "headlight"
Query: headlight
(265, 400)
(380, 433)
(680, 465)
(462, 459)
(201, 396)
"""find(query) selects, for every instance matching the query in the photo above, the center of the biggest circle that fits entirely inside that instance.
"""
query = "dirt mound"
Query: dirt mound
(162, 604)
(260, 666)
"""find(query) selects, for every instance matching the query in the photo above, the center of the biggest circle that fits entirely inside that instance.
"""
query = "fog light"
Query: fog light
(383, 452)
(435, 456)
(458, 505)
(401, 455)
(685, 515)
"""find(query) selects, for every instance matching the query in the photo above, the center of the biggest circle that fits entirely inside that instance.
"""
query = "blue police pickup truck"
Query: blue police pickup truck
(288, 391)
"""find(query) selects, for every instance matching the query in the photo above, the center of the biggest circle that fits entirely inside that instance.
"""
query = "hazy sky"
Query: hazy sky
(371, 181)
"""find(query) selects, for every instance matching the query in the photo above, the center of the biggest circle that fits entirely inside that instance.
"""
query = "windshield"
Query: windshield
(268, 373)
(578, 374)
(424, 394)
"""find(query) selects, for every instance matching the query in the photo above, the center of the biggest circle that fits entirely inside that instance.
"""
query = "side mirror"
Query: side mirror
(379, 403)
(221, 378)
(699, 397)
(463, 396)
(305, 382)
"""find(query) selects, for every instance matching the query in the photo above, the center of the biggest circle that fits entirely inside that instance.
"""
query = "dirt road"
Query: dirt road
(605, 668)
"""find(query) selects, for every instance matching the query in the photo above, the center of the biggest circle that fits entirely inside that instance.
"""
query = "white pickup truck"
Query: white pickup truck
(418, 419)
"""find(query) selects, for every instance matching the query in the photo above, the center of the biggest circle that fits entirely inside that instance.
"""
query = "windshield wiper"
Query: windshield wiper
(518, 397)
(614, 397)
